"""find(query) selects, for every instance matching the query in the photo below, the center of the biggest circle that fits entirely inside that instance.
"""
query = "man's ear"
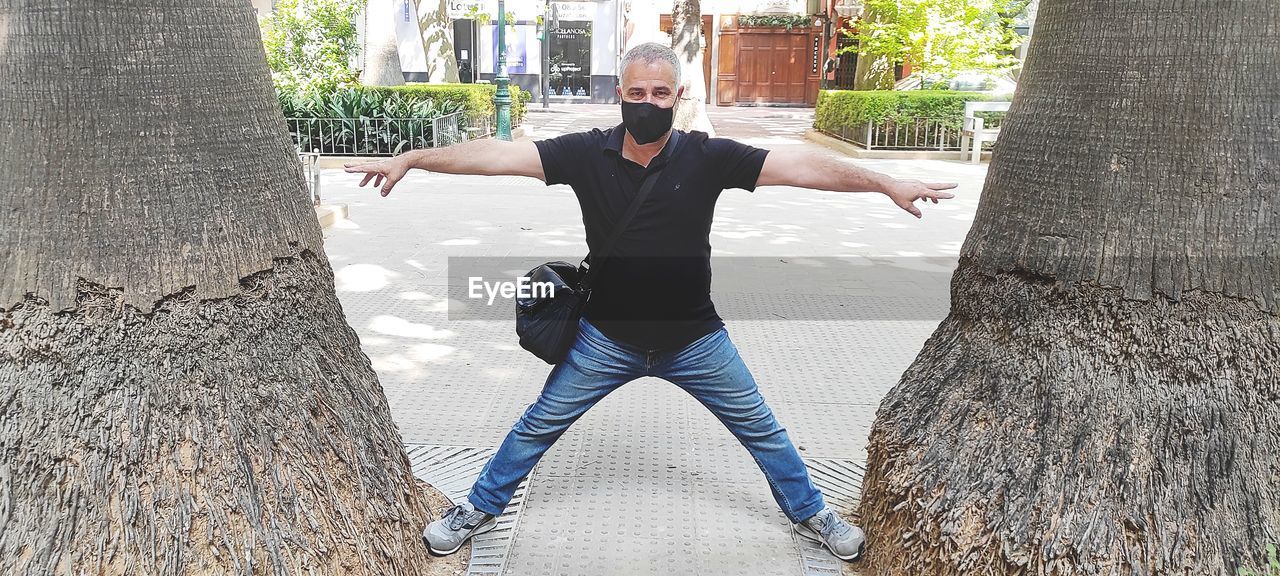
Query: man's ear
(618, 89)
(679, 92)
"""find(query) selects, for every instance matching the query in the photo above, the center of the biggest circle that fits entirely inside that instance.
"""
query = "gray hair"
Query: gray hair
(651, 52)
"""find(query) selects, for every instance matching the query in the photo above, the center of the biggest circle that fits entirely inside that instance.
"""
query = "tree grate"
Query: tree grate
(840, 481)
(452, 470)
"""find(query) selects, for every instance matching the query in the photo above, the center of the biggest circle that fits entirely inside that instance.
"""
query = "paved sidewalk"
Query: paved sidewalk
(648, 482)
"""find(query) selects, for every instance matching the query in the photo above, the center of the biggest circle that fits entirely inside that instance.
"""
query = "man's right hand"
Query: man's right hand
(384, 173)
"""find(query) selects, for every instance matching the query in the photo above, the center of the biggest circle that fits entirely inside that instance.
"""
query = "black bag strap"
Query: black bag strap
(594, 263)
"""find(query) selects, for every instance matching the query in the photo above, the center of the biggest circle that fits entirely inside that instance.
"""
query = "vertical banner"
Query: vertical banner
(522, 49)
(570, 59)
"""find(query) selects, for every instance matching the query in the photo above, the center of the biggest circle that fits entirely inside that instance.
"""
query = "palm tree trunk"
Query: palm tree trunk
(381, 47)
(179, 391)
(686, 40)
(1102, 398)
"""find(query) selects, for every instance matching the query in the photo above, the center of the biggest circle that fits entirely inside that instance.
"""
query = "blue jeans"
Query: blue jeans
(709, 369)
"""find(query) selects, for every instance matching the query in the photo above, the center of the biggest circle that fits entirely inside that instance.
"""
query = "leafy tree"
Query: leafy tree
(940, 37)
(310, 44)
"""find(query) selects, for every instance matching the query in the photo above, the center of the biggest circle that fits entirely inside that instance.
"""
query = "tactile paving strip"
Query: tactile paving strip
(840, 482)
(452, 470)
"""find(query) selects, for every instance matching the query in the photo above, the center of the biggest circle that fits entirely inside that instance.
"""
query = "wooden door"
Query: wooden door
(767, 65)
(772, 67)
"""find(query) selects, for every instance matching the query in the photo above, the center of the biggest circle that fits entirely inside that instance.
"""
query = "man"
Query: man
(650, 313)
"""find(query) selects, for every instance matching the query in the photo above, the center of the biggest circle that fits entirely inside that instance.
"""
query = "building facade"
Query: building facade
(772, 57)
(572, 44)
(756, 52)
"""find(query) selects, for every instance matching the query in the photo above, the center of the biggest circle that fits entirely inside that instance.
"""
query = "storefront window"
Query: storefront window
(570, 63)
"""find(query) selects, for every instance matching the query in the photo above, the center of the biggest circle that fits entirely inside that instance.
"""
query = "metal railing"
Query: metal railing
(454, 128)
(382, 136)
(360, 136)
(906, 134)
(941, 134)
(447, 130)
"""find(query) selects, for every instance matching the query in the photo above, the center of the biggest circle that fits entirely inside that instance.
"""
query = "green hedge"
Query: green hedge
(408, 101)
(365, 102)
(477, 98)
(837, 108)
(375, 120)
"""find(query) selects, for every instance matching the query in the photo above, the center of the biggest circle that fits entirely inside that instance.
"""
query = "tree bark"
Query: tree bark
(381, 47)
(179, 391)
(873, 72)
(686, 40)
(437, 39)
(1104, 397)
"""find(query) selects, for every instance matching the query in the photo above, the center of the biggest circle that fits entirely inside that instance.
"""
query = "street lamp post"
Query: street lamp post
(545, 84)
(502, 98)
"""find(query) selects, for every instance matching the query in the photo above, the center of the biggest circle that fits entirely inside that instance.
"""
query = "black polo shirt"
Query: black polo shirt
(654, 291)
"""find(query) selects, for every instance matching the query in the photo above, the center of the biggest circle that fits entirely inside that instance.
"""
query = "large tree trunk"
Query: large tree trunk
(686, 40)
(437, 38)
(1104, 397)
(873, 72)
(381, 46)
(179, 392)
(642, 23)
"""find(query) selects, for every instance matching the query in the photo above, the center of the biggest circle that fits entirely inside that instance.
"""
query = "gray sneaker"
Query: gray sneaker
(841, 538)
(451, 531)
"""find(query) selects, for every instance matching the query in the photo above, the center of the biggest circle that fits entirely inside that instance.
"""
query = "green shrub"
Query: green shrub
(365, 102)
(476, 98)
(408, 101)
(362, 121)
(376, 120)
(837, 108)
(776, 20)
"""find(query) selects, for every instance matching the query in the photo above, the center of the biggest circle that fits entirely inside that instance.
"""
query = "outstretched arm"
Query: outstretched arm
(820, 172)
(488, 157)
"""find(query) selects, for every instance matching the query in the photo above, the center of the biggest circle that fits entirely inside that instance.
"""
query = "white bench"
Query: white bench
(975, 131)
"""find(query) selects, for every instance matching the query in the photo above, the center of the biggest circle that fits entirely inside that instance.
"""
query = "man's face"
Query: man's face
(652, 82)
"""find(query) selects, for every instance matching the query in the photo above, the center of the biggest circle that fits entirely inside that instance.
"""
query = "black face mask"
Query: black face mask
(645, 121)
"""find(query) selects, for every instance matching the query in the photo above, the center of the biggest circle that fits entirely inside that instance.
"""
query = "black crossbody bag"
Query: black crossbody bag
(548, 323)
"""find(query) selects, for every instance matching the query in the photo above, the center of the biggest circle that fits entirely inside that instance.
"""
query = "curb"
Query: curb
(328, 214)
